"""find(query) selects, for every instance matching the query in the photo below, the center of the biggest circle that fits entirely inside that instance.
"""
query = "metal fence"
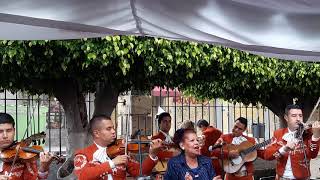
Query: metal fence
(217, 112)
(35, 114)
(46, 114)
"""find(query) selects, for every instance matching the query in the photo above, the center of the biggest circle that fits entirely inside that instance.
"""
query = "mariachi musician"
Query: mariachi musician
(18, 169)
(164, 123)
(211, 135)
(237, 137)
(294, 147)
(93, 162)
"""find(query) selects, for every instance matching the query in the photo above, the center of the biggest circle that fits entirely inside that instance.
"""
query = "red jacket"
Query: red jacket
(298, 169)
(86, 169)
(22, 171)
(163, 155)
(211, 136)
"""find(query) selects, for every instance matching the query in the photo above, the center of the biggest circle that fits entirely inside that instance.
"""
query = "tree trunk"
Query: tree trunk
(68, 92)
(106, 99)
(278, 102)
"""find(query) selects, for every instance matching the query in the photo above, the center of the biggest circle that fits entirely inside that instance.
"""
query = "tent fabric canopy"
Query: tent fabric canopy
(287, 29)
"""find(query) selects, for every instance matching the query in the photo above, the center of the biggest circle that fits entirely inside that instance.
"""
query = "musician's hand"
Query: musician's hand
(201, 140)
(219, 141)
(121, 159)
(4, 177)
(176, 152)
(155, 147)
(316, 129)
(290, 146)
(45, 161)
(217, 178)
(234, 153)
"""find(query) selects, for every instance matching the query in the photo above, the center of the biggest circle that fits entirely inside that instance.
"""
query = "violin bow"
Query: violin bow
(313, 110)
(303, 147)
(127, 124)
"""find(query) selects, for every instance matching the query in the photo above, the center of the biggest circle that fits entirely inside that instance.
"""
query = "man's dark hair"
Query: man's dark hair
(163, 115)
(6, 118)
(95, 121)
(202, 123)
(291, 106)
(243, 120)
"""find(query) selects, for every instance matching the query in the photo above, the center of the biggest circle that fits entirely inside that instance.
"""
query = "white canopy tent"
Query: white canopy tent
(288, 29)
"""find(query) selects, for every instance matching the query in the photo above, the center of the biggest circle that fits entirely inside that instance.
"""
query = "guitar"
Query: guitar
(247, 153)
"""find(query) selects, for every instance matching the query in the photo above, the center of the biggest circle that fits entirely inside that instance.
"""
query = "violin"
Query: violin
(21, 151)
(118, 146)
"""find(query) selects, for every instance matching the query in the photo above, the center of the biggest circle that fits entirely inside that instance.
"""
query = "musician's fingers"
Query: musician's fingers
(45, 156)
(124, 156)
(219, 141)
(316, 124)
(156, 141)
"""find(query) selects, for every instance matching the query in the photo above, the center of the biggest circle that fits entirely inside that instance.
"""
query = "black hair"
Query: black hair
(95, 120)
(163, 115)
(202, 123)
(6, 118)
(243, 120)
(291, 106)
(179, 136)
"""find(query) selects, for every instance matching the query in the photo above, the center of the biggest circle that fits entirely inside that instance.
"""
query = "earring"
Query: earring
(182, 148)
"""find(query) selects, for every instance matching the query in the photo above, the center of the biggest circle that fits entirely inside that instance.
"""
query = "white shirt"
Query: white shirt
(168, 138)
(1, 166)
(289, 136)
(237, 141)
(101, 156)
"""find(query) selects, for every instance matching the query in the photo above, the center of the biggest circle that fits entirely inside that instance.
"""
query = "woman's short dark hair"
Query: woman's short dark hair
(179, 136)
(202, 123)
(243, 121)
(163, 115)
(6, 118)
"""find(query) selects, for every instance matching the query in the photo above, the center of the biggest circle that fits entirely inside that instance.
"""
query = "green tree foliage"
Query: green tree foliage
(66, 69)
(125, 61)
(242, 77)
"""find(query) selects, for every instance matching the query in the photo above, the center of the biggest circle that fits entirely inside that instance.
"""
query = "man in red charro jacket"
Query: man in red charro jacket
(211, 135)
(237, 137)
(20, 170)
(164, 122)
(93, 162)
(293, 156)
